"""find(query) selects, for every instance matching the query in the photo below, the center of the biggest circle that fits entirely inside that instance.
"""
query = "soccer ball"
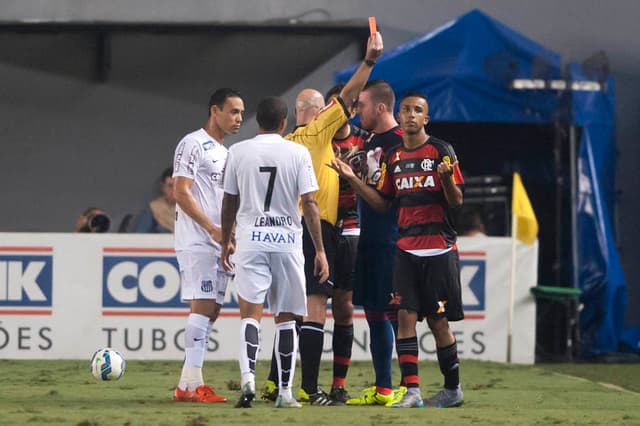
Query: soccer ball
(107, 364)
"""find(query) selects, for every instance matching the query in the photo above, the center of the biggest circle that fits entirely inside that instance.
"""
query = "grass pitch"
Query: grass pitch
(65, 393)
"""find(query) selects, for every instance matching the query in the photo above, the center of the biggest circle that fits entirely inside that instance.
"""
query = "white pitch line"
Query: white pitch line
(603, 384)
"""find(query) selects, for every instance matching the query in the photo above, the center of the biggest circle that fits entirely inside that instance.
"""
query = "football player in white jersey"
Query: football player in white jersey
(199, 164)
(264, 180)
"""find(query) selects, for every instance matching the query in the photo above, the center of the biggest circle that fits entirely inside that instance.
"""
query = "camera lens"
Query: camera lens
(99, 223)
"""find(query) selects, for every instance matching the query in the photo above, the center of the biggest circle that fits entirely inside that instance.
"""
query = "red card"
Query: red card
(372, 26)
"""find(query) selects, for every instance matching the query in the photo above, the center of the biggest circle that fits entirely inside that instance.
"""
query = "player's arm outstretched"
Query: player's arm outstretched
(230, 204)
(354, 86)
(311, 214)
(370, 195)
(189, 205)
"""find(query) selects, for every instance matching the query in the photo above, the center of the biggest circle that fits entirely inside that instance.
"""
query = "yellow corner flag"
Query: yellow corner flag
(527, 224)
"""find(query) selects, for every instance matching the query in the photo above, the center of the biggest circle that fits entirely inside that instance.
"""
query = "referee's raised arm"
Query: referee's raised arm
(354, 86)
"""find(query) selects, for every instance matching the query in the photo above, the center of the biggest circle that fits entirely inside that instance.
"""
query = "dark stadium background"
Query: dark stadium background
(93, 99)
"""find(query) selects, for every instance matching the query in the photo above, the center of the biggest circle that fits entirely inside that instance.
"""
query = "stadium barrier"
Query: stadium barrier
(62, 296)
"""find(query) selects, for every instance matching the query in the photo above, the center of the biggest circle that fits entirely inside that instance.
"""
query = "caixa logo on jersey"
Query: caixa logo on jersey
(26, 280)
(473, 273)
(137, 280)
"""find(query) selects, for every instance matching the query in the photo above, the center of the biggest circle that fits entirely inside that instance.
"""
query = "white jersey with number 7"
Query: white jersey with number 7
(269, 174)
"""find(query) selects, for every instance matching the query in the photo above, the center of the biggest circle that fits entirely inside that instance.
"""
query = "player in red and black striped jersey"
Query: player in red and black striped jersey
(348, 217)
(349, 139)
(423, 178)
(425, 223)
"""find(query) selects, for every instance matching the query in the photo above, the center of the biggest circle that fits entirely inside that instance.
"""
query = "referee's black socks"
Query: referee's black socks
(273, 372)
(311, 342)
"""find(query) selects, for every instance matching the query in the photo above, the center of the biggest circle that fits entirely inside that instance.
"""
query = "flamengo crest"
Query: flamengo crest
(427, 165)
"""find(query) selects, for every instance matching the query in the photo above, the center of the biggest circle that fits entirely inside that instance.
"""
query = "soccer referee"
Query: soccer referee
(316, 124)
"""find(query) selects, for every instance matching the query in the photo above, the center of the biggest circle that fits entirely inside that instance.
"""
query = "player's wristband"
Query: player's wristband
(369, 62)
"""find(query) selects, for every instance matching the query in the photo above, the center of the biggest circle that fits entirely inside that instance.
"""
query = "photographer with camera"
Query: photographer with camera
(93, 219)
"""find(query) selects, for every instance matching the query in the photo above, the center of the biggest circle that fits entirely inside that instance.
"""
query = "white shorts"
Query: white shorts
(277, 276)
(201, 276)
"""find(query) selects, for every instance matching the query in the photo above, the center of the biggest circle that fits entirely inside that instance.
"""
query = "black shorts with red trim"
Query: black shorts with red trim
(330, 242)
(428, 285)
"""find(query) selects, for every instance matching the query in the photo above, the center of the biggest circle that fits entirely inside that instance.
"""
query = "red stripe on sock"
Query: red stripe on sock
(341, 360)
(383, 390)
(406, 358)
(411, 380)
(338, 381)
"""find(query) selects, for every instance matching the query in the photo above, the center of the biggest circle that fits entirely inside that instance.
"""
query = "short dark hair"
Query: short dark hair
(334, 91)
(270, 113)
(414, 94)
(167, 173)
(381, 92)
(469, 219)
(220, 96)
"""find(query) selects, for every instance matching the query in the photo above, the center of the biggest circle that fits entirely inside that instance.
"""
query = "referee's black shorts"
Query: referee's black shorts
(429, 285)
(330, 241)
(344, 273)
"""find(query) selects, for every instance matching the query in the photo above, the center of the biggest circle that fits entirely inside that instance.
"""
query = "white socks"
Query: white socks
(249, 346)
(196, 335)
(286, 349)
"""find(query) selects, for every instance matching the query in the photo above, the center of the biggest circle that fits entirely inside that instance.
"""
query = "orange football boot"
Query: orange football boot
(205, 393)
(180, 395)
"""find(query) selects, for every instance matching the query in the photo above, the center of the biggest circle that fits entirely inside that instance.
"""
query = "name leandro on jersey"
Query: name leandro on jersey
(273, 221)
(271, 236)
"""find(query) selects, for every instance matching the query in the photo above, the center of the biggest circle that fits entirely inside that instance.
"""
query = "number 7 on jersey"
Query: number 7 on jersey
(272, 179)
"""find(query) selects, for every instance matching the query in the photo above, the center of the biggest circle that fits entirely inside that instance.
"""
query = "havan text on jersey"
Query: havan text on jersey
(273, 237)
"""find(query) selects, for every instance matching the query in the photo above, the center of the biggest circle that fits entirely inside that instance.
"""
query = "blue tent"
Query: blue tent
(466, 68)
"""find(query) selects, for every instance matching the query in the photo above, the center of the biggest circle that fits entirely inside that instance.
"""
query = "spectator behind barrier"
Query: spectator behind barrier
(93, 219)
(470, 223)
(160, 214)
